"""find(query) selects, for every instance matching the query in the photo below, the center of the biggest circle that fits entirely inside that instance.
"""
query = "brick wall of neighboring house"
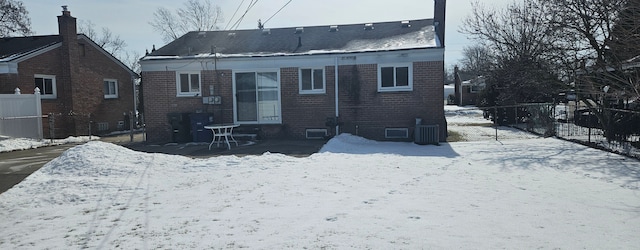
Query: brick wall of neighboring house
(94, 68)
(49, 64)
(468, 97)
(363, 110)
(79, 69)
(8, 83)
(86, 101)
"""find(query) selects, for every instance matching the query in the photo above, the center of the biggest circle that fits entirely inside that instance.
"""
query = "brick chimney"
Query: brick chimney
(68, 88)
(67, 26)
(439, 19)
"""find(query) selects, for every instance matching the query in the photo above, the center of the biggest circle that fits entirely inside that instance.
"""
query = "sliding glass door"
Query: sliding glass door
(257, 97)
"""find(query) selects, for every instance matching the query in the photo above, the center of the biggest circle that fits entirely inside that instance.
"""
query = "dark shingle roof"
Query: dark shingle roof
(10, 46)
(315, 39)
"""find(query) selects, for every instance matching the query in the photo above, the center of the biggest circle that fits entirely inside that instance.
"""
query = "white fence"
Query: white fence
(21, 115)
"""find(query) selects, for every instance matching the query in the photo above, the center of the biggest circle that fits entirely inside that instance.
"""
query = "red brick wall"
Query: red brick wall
(371, 113)
(160, 99)
(86, 99)
(302, 111)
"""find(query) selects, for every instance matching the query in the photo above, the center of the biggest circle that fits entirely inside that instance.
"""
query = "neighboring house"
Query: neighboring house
(82, 85)
(371, 80)
(467, 87)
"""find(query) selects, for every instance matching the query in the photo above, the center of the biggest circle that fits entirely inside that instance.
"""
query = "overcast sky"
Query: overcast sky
(130, 18)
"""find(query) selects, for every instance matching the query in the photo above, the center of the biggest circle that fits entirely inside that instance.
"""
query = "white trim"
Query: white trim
(409, 87)
(312, 90)
(33, 53)
(115, 85)
(9, 65)
(300, 61)
(235, 100)
(189, 93)
(54, 90)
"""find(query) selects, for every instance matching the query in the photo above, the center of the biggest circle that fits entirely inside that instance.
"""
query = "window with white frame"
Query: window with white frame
(312, 81)
(188, 84)
(47, 86)
(110, 88)
(395, 77)
(257, 97)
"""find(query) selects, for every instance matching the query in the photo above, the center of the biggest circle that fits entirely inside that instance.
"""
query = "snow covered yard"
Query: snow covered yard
(535, 193)
(11, 144)
(521, 192)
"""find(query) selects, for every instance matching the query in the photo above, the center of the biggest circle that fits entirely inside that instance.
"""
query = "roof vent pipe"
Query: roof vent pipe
(299, 41)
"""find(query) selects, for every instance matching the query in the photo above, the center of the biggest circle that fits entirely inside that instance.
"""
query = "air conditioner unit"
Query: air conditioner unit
(427, 134)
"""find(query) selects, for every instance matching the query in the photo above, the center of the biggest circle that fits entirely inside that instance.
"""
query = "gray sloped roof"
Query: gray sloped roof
(16, 46)
(305, 40)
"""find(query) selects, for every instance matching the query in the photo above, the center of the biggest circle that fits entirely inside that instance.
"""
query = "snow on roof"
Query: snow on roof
(353, 38)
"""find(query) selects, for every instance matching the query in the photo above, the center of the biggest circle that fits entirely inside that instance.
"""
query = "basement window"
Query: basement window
(315, 133)
(103, 126)
(396, 133)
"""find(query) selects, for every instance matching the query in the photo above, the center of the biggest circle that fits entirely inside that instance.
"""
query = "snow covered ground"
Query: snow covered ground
(471, 125)
(12, 144)
(354, 194)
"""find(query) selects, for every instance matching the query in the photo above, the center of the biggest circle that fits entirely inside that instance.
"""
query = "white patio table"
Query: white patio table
(221, 131)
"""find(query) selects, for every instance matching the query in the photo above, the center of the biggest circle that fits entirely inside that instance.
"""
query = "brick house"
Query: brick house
(467, 87)
(83, 86)
(373, 80)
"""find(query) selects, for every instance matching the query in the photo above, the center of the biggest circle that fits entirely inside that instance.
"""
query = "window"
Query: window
(110, 88)
(257, 97)
(476, 88)
(47, 86)
(103, 126)
(395, 78)
(396, 133)
(188, 84)
(312, 81)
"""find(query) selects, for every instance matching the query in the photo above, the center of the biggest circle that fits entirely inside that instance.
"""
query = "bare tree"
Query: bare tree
(132, 60)
(523, 50)
(106, 39)
(14, 19)
(196, 15)
(476, 60)
(601, 35)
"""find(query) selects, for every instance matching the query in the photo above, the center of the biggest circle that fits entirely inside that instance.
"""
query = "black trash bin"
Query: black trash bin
(198, 121)
(180, 127)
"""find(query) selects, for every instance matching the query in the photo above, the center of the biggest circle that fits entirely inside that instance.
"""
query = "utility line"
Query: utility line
(234, 15)
(285, 5)
(237, 23)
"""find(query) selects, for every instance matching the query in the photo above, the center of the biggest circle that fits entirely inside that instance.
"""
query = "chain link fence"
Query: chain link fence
(528, 121)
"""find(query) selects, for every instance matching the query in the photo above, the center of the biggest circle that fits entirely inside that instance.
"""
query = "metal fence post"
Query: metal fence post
(52, 125)
(89, 121)
(131, 120)
(495, 120)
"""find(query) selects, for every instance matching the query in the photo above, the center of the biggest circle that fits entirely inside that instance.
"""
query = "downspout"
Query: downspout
(336, 95)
